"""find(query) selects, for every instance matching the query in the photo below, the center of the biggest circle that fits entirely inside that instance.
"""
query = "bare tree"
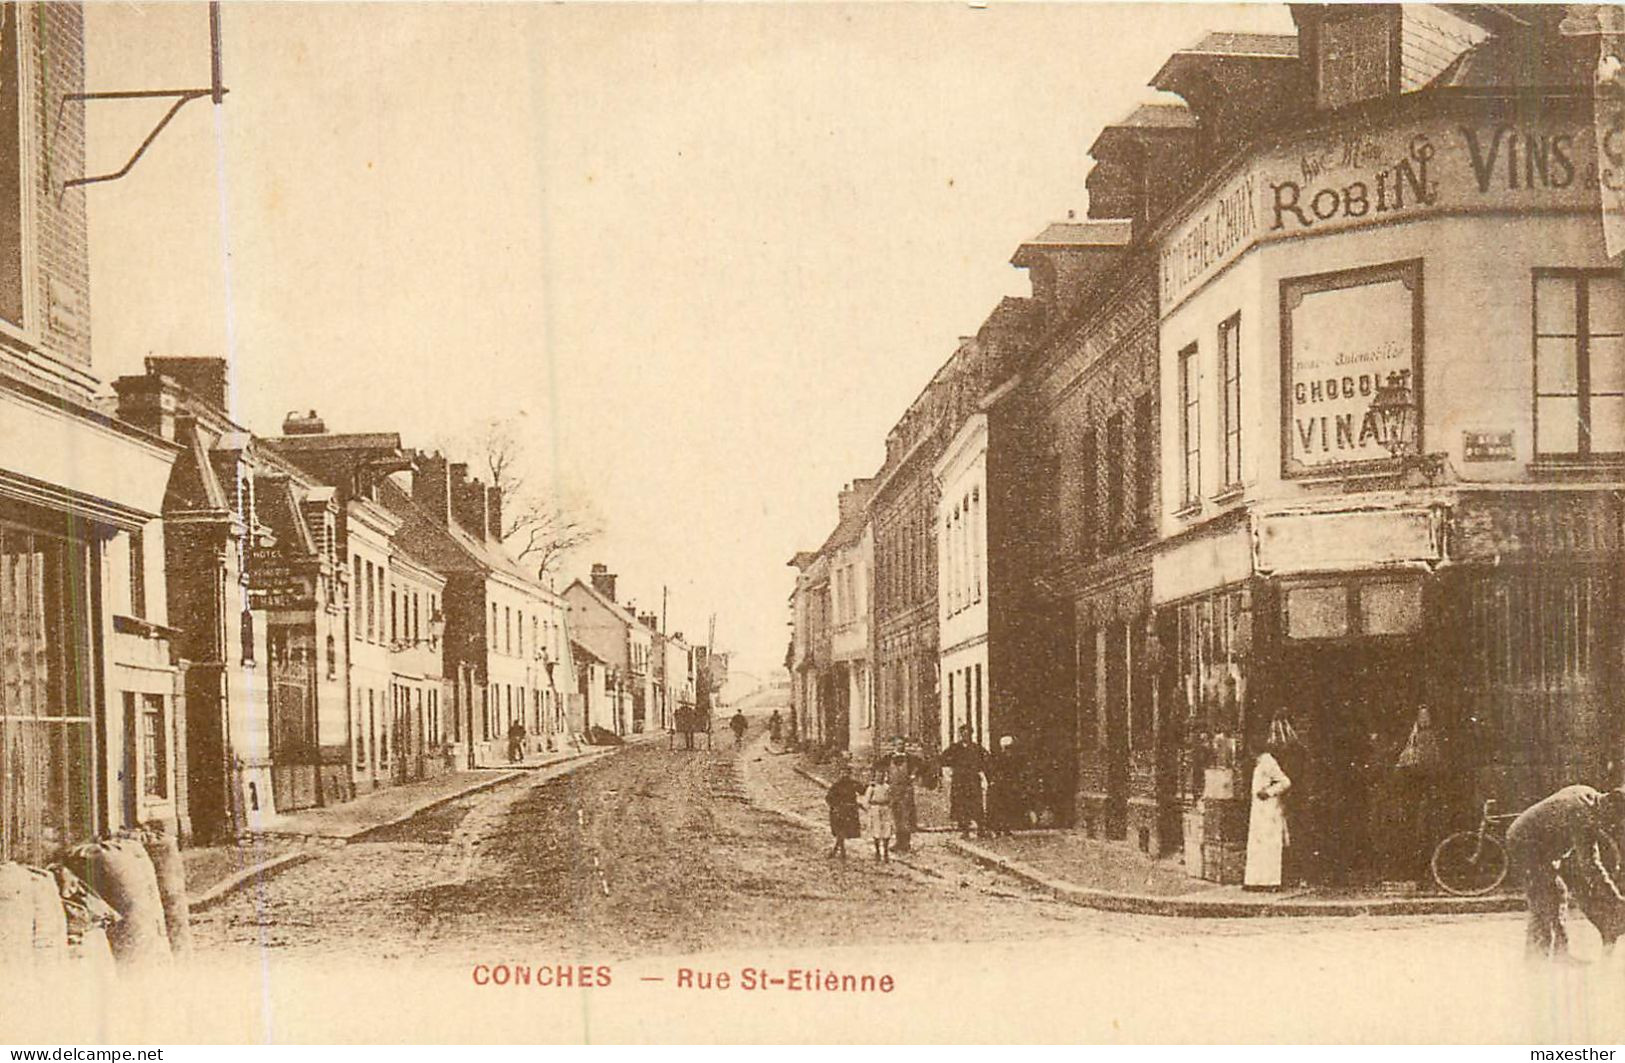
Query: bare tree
(539, 526)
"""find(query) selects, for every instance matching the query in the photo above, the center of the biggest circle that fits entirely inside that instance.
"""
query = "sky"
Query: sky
(705, 255)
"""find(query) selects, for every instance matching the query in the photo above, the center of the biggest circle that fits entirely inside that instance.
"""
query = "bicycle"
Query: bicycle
(1471, 863)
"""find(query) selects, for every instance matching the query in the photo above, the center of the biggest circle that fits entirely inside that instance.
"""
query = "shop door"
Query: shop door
(1353, 706)
(293, 768)
(1117, 773)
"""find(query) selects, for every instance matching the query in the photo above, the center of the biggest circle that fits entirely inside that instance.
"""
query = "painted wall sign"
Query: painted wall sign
(1488, 446)
(1373, 174)
(1343, 336)
(1317, 542)
(1586, 525)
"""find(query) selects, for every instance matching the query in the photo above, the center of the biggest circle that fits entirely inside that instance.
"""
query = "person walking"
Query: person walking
(737, 724)
(881, 826)
(1006, 804)
(1267, 836)
(968, 763)
(900, 768)
(516, 741)
(842, 797)
(775, 727)
(1566, 826)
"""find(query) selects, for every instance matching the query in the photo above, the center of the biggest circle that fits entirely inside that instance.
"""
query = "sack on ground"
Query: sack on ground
(165, 854)
(122, 874)
(16, 916)
(50, 921)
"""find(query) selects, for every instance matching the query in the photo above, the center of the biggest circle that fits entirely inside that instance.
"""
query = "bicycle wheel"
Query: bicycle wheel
(1468, 864)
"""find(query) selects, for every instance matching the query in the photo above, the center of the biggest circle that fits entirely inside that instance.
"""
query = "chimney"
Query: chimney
(431, 486)
(493, 511)
(468, 503)
(303, 424)
(603, 581)
(205, 378)
(147, 403)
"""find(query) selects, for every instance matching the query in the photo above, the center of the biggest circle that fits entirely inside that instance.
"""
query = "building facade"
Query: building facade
(615, 636)
(1391, 457)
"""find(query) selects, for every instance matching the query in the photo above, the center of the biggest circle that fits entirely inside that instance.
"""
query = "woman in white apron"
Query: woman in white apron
(1267, 833)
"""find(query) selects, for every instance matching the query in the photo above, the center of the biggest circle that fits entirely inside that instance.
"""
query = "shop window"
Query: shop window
(1141, 715)
(1317, 612)
(1390, 608)
(1190, 426)
(1230, 407)
(154, 747)
(46, 739)
(1579, 353)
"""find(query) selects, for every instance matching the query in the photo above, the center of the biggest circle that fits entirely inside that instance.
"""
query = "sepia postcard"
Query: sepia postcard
(812, 523)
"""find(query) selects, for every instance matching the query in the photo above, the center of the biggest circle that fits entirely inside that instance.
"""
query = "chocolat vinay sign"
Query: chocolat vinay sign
(1343, 336)
(1371, 175)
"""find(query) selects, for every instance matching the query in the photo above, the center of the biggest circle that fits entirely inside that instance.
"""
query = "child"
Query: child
(842, 798)
(881, 825)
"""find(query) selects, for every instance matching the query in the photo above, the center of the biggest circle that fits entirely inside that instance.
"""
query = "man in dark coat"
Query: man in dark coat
(738, 725)
(899, 768)
(1568, 824)
(968, 762)
(1006, 788)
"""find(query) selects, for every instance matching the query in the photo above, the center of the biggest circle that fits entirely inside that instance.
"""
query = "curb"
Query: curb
(227, 886)
(1144, 904)
(1194, 908)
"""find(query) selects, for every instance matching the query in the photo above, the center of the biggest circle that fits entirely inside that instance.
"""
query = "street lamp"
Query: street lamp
(1395, 408)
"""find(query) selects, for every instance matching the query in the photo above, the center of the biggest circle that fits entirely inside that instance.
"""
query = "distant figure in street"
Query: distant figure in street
(842, 797)
(775, 727)
(738, 725)
(881, 826)
(1567, 827)
(1266, 825)
(1006, 793)
(516, 741)
(968, 762)
(900, 768)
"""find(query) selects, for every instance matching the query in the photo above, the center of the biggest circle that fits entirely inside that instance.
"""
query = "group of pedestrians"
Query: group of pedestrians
(883, 806)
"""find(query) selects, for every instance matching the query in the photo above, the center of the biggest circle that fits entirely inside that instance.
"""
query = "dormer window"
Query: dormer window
(1357, 57)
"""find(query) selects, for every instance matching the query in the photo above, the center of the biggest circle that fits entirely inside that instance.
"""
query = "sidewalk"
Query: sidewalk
(1108, 876)
(279, 842)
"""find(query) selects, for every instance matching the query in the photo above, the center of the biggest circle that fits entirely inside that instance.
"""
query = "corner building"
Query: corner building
(1392, 364)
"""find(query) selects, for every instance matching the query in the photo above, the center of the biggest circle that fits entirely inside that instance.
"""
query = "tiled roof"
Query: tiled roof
(1260, 45)
(339, 441)
(1094, 233)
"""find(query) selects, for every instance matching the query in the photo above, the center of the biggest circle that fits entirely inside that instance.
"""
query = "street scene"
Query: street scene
(813, 523)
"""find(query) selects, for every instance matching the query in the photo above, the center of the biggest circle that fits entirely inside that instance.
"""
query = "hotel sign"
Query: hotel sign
(1344, 335)
(1371, 174)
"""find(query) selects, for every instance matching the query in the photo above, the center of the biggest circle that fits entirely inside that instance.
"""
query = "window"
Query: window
(154, 747)
(1579, 364)
(372, 605)
(394, 619)
(357, 590)
(976, 542)
(1190, 426)
(332, 658)
(13, 183)
(1088, 502)
(360, 737)
(1230, 407)
(1145, 463)
(138, 575)
(507, 629)
(1114, 478)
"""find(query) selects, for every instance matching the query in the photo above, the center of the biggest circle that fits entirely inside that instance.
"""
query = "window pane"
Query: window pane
(1391, 608)
(1607, 298)
(1607, 355)
(1554, 305)
(1555, 366)
(1317, 612)
(1608, 425)
(1557, 426)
